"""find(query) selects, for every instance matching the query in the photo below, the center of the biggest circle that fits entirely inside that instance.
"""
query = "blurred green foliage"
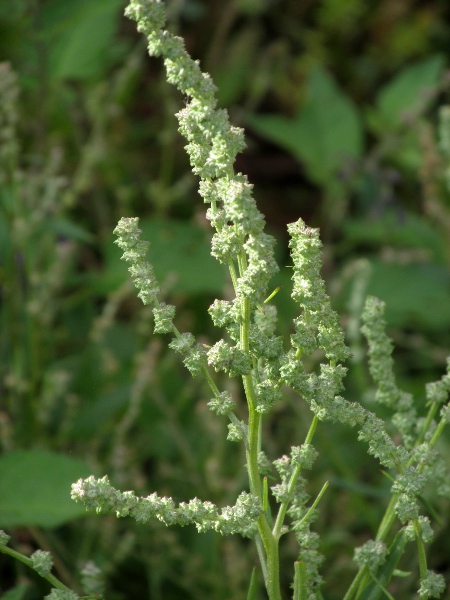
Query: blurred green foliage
(340, 101)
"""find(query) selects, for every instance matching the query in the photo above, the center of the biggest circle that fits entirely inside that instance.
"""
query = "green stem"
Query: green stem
(205, 371)
(388, 519)
(271, 549)
(430, 416)
(268, 540)
(437, 434)
(210, 381)
(420, 549)
(208, 377)
(270, 544)
(233, 274)
(29, 563)
(300, 578)
(262, 557)
(315, 503)
(363, 575)
(293, 480)
(357, 581)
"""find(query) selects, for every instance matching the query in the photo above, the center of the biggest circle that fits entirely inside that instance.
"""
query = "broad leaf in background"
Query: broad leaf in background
(324, 135)
(408, 92)
(35, 488)
(405, 231)
(98, 412)
(416, 295)
(178, 250)
(235, 67)
(414, 283)
(67, 229)
(16, 593)
(79, 36)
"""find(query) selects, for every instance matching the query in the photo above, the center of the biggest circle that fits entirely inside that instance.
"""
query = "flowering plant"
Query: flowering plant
(253, 352)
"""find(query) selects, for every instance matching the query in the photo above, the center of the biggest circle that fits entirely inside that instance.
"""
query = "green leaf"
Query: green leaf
(237, 66)
(79, 36)
(402, 574)
(363, 489)
(253, 587)
(16, 593)
(35, 488)
(373, 591)
(407, 231)
(66, 228)
(11, 10)
(415, 294)
(407, 92)
(96, 415)
(300, 579)
(325, 133)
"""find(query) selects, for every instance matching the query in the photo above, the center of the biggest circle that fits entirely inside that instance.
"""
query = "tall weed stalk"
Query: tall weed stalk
(252, 352)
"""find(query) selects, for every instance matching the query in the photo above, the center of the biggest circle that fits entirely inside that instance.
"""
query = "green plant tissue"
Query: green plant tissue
(35, 488)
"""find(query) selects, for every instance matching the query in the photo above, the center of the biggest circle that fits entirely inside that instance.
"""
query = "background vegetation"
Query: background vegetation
(340, 101)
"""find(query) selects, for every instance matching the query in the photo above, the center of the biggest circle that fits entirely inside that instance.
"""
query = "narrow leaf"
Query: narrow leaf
(253, 587)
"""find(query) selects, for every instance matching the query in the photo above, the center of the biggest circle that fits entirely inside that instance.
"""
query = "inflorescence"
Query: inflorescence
(252, 350)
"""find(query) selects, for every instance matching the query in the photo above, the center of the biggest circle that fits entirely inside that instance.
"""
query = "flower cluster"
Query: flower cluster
(304, 456)
(438, 391)
(223, 404)
(135, 250)
(431, 586)
(229, 359)
(426, 531)
(292, 492)
(92, 579)
(381, 367)
(318, 326)
(372, 554)
(42, 562)
(99, 495)
(4, 538)
(380, 359)
(195, 355)
(412, 479)
(62, 595)
(237, 431)
(212, 147)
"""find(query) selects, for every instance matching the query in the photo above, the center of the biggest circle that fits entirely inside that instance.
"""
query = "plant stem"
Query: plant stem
(267, 537)
(300, 589)
(272, 576)
(29, 563)
(420, 549)
(295, 475)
